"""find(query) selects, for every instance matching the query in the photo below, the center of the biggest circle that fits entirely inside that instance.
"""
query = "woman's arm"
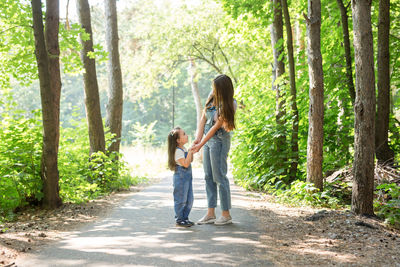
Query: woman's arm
(185, 162)
(200, 128)
(210, 134)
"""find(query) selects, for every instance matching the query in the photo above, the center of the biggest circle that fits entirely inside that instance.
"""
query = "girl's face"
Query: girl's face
(183, 138)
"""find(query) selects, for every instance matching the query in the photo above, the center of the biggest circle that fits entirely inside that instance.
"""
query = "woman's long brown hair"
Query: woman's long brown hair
(223, 100)
(173, 136)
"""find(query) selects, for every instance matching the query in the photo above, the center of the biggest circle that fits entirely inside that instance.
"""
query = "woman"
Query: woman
(217, 121)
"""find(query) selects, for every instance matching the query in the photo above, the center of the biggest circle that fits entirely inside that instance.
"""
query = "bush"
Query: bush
(81, 177)
(387, 204)
(20, 154)
(303, 193)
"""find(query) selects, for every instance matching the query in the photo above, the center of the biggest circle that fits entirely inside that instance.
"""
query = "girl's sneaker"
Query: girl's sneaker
(206, 220)
(183, 224)
(190, 222)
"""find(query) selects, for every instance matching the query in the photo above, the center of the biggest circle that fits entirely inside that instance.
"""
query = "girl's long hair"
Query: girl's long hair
(173, 136)
(222, 97)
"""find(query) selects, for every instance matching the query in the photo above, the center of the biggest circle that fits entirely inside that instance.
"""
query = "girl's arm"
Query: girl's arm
(200, 128)
(210, 134)
(185, 162)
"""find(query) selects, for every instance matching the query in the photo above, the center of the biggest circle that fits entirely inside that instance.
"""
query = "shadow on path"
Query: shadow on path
(142, 232)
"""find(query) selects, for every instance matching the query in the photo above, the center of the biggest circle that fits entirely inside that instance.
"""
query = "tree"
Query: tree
(384, 153)
(92, 99)
(293, 94)
(278, 71)
(115, 102)
(364, 108)
(346, 42)
(192, 69)
(47, 53)
(316, 93)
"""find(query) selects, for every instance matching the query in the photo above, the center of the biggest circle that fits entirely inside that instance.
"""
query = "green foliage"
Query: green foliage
(82, 177)
(255, 156)
(143, 134)
(70, 47)
(303, 193)
(387, 204)
(17, 58)
(252, 169)
(20, 154)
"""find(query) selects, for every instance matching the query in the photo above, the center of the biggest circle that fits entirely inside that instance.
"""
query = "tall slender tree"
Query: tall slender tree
(384, 153)
(47, 53)
(316, 93)
(364, 108)
(115, 101)
(92, 98)
(293, 94)
(279, 70)
(347, 49)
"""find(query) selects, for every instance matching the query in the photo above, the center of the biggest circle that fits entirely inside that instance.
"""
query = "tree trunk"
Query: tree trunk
(364, 108)
(92, 99)
(276, 35)
(346, 41)
(195, 89)
(293, 97)
(47, 53)
(115, 101)
(316, 106)
(383, 152)
(344, 111)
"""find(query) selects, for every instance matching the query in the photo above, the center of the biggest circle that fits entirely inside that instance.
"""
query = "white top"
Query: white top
(179, 154)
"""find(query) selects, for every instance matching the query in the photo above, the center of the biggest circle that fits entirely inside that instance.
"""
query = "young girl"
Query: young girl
(217, 120)
(179, 160)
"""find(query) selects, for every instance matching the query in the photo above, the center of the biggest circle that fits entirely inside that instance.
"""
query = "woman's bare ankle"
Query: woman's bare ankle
(211, 212)
(226, 213)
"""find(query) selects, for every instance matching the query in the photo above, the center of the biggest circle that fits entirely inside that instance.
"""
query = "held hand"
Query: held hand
(196, 141)
(196, 148)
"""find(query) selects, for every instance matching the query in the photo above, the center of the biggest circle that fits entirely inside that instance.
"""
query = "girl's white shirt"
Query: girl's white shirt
(179, 154)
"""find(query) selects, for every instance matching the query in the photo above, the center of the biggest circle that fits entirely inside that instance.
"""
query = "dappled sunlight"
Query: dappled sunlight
(306, 242)
(142, 231)
(226, 240)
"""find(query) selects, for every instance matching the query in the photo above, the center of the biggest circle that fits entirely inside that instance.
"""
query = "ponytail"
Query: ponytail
(173, 136)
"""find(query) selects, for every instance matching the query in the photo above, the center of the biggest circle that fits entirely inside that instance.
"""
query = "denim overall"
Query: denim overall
(183, 191)
(215, 164)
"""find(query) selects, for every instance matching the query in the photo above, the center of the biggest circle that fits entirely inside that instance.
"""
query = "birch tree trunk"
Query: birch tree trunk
(92, 99)
(364, 108)
(47, 53)
(195, 89)
(316, 93)
(383, 152)
(115, 91)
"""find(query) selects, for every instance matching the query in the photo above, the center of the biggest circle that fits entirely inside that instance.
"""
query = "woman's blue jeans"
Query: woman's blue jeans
(215, 165)
(183, 193)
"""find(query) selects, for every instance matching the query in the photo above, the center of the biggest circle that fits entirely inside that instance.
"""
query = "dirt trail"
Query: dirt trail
(288, 236)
